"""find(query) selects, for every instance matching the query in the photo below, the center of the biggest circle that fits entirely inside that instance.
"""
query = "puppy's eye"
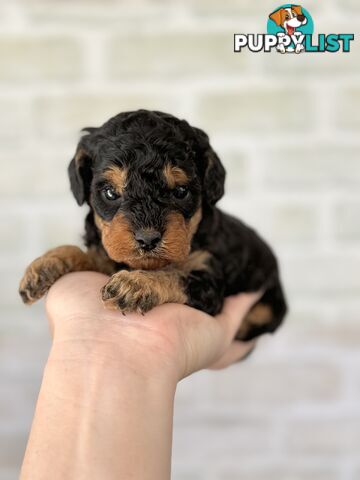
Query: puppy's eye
(180, 192)
(109, 194)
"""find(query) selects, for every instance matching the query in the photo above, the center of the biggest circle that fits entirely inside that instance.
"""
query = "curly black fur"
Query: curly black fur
(143, 142)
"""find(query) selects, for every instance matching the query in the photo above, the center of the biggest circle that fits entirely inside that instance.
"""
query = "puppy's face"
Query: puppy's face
(146, 177)
(147, 207)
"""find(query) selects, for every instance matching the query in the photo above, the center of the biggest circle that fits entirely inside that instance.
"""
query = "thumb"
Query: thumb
(234, 311)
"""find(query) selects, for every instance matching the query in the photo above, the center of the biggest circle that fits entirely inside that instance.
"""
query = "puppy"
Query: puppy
(289, 19)
(151, 182)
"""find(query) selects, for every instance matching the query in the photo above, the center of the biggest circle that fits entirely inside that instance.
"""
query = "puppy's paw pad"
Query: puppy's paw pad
(38, 278)
(129, 292)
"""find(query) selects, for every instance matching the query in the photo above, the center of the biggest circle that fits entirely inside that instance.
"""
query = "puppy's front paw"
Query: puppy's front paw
(38, 278)
(130, 292)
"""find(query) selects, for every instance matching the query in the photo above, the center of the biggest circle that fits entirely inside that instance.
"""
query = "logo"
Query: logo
(290, 29)
(290, 21)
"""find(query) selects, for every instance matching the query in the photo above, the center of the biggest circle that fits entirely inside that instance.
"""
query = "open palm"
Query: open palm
(173, 337)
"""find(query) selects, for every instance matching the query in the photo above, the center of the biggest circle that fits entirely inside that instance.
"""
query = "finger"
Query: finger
(236, 352)
(234, 311)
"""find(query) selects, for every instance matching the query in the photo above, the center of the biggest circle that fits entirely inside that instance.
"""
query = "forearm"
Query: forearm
(98, 417)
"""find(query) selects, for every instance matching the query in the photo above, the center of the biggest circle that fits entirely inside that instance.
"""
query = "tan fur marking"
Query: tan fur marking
(117, 237)
(147, 263)
(99, 222)
(79, 154)
(259, 315)
(118, 241)
(194, 223)
(117, 177)
(175, 176)
(196, 261)
(45, 270)
(141, 290)
(178, 235)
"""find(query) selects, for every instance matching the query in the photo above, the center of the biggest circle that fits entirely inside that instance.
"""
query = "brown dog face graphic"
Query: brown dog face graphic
(289, 18)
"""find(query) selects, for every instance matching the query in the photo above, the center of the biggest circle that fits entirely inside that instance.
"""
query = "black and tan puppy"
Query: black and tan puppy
(152, 182)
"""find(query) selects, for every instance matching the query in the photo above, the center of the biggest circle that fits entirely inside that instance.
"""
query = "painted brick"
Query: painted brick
(9, 295)
(325, 436)
(39, 59)
(290, 411)
(237, 167)
(311, 382)
(347, 5)
(185, 475)
(233, 7)
(291, 224)
(318, 274)
(36, 173)
(346, 221)
(15, 123)
(348, 109)
(9, 474)
(317, 334)
(223, 443)
(166, 56)
(60, 117)
(314, 65)
(12, 233)
(283, 222)
(285, 472)
(63, 227)
(83, 16)
(255, 110)
(12, 448)
(19, 321)
(318, 167)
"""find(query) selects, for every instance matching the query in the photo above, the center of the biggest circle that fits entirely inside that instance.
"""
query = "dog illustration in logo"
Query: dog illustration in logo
(289, 19)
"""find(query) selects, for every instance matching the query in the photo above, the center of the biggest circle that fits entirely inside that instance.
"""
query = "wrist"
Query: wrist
(94, 399)
(125, 343)
(107, 361)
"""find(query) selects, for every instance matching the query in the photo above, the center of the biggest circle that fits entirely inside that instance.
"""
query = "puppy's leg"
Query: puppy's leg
(142, 290)
(193, 282)
(45, 270)
(205, 283)
(266, 316)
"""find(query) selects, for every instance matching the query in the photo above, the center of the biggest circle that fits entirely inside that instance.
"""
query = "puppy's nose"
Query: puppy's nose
(147, 239)
(301, 18)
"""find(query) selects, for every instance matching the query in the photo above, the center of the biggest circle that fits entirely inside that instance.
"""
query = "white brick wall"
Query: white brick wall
(286, 128)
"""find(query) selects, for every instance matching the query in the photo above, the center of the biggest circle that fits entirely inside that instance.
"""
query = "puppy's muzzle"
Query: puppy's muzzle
(147, 239)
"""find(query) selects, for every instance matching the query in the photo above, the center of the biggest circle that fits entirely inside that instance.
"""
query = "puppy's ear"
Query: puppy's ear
(80, 175)
(297, 8)
(213, 170)
(276, 17)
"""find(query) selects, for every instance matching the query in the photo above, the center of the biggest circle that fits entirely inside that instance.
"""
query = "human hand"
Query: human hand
(110, 380)
(171, 339)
